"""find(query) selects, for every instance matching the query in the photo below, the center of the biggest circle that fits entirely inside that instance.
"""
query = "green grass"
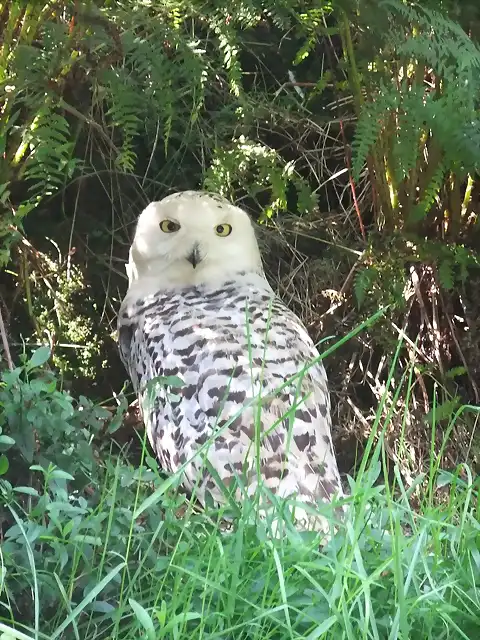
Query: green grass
(132, 558)
(99, 572)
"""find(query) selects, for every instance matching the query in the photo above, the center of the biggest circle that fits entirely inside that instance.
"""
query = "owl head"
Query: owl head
(192, 238)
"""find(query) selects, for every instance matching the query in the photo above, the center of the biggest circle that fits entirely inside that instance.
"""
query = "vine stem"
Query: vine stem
(352, 184)
(6, 348)
(375, 165)
(357, 96)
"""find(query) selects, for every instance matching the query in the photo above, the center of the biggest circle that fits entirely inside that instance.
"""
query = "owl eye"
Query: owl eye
(223, 230)
(169, 226)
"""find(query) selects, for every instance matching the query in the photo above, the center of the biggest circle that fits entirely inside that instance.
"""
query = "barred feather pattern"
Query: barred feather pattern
(252, 383)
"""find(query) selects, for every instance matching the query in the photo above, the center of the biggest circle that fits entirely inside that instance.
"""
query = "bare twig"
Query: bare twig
(352, 184)
(92, 123)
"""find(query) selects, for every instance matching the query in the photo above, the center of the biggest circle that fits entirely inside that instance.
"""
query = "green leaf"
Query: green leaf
(12, 634)
(443, 411)
(180, 618)
(6, 441)
(455, 371)
(4, 464)
(322, 628)
(90, 596)
(38, 467)
(39, 358)
(58, 474)
(172, 381)
(445, 273)
(156, 495)
(362, 284)
(144, 619)
(117, 420)
(100, 606)
(444, 479)
(29, 491)
(25, 441)
(85, 539)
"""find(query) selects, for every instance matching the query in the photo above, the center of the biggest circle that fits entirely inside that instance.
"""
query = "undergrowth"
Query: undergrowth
(97, 547)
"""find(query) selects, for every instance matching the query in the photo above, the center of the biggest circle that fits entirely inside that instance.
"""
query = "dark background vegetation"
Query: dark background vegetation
(348, 130)
(361, 167)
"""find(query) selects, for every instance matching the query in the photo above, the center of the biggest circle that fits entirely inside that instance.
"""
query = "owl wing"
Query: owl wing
(312, 458)
(251, 387)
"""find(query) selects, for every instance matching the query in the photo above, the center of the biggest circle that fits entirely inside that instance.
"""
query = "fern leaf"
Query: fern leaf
(362, 284)
(50, 160)
(373, 117)
(431, 193)
(446, 275)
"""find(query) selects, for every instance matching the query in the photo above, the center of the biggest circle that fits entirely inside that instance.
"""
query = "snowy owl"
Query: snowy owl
(247, 391)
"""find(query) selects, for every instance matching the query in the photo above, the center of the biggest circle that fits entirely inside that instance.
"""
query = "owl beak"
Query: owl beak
(194, 256)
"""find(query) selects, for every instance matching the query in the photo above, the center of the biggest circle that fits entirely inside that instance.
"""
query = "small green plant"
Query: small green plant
(45, 425)
(246, 162)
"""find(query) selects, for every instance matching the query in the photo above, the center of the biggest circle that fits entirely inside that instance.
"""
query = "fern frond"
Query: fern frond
(446, 274)
(373, 117)
(125, 114)
(437, 41)
(430, 194)
(406, 147)
(362, 284)
(50, 160)
(229, 47)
